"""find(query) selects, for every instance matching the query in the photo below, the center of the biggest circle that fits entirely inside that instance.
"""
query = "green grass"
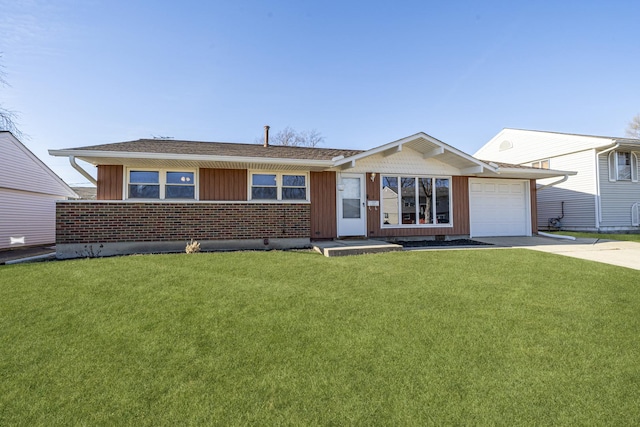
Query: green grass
(626, 237)
(481, 337)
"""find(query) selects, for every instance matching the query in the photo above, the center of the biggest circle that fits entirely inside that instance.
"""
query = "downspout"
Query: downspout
(560, 181)
(598, 202)
(83, 172)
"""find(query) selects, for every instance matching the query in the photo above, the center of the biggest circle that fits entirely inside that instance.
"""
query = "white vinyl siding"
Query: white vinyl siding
(22, 170)
(28, 215)
(617, 198)
(577, 193)
(408, 161)
(530, 146)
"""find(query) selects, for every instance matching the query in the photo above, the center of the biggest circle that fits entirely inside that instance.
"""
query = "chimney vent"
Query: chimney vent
(266, 136)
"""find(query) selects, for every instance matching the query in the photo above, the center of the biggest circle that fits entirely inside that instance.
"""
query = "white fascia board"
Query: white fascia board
(408, 139)
(84, 154)
(532, 173)
(628, 145)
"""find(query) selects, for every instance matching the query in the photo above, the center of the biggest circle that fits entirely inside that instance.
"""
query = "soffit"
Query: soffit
(192, 164)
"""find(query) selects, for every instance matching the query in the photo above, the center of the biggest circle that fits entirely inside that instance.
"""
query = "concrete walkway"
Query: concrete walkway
(620, 253)
(32, 253)
(330, 248)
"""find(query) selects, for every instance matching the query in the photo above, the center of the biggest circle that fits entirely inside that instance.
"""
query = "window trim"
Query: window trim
(279, 186)
(399, 197)
(162, 182)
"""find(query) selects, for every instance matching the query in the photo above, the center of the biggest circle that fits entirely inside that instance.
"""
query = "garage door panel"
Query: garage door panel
(498, 208)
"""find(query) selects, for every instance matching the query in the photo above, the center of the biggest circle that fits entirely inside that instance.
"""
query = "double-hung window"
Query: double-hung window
(161, 184)
(415, 201)
(278, 186)
(623, 166)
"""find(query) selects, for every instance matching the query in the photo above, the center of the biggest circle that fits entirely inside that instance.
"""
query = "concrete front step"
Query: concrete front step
(354, 247)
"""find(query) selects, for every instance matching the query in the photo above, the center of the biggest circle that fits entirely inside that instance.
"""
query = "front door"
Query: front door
(351, 202)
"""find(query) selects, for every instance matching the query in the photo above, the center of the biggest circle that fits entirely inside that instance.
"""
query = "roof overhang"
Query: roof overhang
(428, 147)
(524, 173)
(96, 158)
(425, 145)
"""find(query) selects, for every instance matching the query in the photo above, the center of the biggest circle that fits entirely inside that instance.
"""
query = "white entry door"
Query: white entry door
(351, 202)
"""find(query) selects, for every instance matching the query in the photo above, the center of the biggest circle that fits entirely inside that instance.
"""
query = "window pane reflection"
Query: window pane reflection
(425, 191)
(351, 208)
(179, 192)
(442, 201)
(139, 191)
(265, 193)
(146, 177)
(390, 200)
(408, 200)
(294, 194)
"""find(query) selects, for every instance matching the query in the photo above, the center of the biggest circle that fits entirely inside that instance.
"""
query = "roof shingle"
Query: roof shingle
(220, 149)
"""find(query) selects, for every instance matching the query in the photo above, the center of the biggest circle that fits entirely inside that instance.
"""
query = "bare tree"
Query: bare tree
(311, 138)
(633, 128)
(292, 138)
(7, 117)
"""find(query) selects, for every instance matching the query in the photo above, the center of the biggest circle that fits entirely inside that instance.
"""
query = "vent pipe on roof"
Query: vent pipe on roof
(266, 136)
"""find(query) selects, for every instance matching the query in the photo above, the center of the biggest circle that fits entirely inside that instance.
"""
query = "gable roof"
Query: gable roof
(157, 152)
(430, 147)
(523, 146)
(22, 170)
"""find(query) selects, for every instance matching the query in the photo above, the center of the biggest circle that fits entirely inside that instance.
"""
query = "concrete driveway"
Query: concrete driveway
(623, 254)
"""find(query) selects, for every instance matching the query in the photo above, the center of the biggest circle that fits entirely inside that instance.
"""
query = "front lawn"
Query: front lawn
(479, 337)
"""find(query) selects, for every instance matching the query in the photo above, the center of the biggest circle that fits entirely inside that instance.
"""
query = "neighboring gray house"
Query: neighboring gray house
(28, 194)
(604, 195)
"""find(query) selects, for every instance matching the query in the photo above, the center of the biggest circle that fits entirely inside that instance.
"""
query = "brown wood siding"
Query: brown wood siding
(534, 206)
(109, 182)
(322, 187)
(460, 204)
(373, 212)
(223, 184)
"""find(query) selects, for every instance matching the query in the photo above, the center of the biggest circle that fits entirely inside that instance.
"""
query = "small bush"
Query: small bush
(192, 247)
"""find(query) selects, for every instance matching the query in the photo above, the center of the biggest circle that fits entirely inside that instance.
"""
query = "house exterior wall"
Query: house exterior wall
(616, 199)
(29, 215)
(223, 184)
(28, 190)
(578, 193)
(104, 228)
(21, 170)
(519, 146)
(109, 182)
(323, 205)
(408, 162)
(460, 206)
(94, 222)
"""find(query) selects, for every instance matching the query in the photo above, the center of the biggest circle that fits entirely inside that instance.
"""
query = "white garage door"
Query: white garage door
(499, 207)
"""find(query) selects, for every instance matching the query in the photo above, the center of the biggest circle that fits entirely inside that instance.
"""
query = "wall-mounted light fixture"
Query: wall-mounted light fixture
(373, 176)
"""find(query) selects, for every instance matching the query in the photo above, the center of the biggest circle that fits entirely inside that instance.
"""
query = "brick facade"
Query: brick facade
(115, 222)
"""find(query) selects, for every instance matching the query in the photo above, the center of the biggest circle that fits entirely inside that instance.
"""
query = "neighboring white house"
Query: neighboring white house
(28, 191)
(603, 196)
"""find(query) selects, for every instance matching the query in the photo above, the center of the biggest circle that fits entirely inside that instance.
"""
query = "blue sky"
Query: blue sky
(85, 72)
